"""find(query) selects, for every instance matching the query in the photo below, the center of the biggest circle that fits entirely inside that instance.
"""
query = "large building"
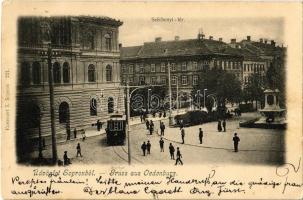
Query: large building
(86, 75)
(148, 64)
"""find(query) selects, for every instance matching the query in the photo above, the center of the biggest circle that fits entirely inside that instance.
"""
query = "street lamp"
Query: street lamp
(148, 99)
(198, 98)
(204, 98)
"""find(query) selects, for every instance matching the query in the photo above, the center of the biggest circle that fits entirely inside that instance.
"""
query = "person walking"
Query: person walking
(172, 151)
(161, 142)
(224, 125)
(162, 127)
(179, 156)
(79, 150)
(151, 127)
(148, 146)
(236, 140)
(219, 126)
(66, 159)
(99, 125)
(141, 117)
(143, 147)
(75, 133)
(200, 135)
(182, 135)
(147, 124)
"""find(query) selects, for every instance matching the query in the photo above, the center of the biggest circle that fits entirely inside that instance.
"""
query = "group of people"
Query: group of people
(66, 159)
(221, 124)
(147, 147)
(143, 115)
(150, 126)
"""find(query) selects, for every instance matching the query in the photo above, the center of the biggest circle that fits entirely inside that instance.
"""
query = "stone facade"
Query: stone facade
(85, 71)
(148, 64)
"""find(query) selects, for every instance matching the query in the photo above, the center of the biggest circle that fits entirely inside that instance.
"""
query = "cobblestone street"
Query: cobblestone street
(257, 146)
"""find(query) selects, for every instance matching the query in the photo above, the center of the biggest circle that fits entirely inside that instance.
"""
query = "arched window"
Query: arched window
(36, 73)
(91, 73)
(108, 42)
(93, 107)
(57, 73)
(110, 105)
(63, 113)
(65, 73)
(109, 73)
(25, 73)
(34, 116)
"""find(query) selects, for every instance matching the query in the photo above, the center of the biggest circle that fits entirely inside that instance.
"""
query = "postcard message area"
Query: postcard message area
(124, 182)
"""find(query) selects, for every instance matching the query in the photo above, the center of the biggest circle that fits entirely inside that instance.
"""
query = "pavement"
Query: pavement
(257, 146)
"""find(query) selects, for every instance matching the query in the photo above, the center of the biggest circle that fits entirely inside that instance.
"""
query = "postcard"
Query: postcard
(151, 100)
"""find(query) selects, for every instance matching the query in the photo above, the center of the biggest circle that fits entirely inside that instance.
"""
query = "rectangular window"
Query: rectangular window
(124, 69)
(131, 69)
(184, 80)
(163, 80)
(123, 79)
(153, 68)
(174, 80)
(141, 69)
(195, 66)
(173, 67)
(153, 80)
(183, 66)
(131, 79)
(195, 80)
(142, 80)
(162, 67)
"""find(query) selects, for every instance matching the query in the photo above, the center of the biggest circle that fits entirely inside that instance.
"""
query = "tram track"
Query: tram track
(115, 149)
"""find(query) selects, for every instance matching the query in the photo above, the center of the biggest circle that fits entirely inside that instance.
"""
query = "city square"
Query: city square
(257, 146)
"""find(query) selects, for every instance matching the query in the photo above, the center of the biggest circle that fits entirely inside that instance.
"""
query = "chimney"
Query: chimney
(265, 41)
(233, 41)
(220, 39)
(177, 38)
(211, 37)
(261, 40)
(158, 39)
(120, 45)
(248, 38)
(273, 43)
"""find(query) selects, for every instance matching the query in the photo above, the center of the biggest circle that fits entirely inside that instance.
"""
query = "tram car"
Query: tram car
(116, 129)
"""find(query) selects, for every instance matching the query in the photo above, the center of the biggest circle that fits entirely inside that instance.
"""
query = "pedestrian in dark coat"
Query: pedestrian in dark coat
(151, 127)
(162, 127)
(219, 126)
(161, 142)
(179, 156)
(75, 133)
(182, 135)
(66, 159)
(200, 135)
(224, 125)
(148, 146)
(147, 124)
(143, 147)
(79, 150)
(236, 140)
(172, 151)
(99, 124)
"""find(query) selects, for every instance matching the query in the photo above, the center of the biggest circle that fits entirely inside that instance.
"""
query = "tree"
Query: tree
(226, 86)
(253, 91)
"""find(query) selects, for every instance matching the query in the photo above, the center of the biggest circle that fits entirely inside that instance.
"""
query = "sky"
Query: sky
(136, 31)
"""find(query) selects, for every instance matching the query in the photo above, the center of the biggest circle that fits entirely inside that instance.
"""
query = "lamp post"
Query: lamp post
(128, 121)
(40, 137)
(204, 98)
(148, 99)
(177, 95)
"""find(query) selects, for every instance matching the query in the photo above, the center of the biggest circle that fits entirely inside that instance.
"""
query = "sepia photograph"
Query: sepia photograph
(91, 90)
(151, 100)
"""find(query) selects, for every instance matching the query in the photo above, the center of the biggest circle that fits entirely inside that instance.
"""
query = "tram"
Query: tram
(116, 130)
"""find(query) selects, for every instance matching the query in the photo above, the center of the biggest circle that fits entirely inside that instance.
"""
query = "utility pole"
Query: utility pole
(51, 100)
(128, 121)
(177, 95)
(169, 89)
